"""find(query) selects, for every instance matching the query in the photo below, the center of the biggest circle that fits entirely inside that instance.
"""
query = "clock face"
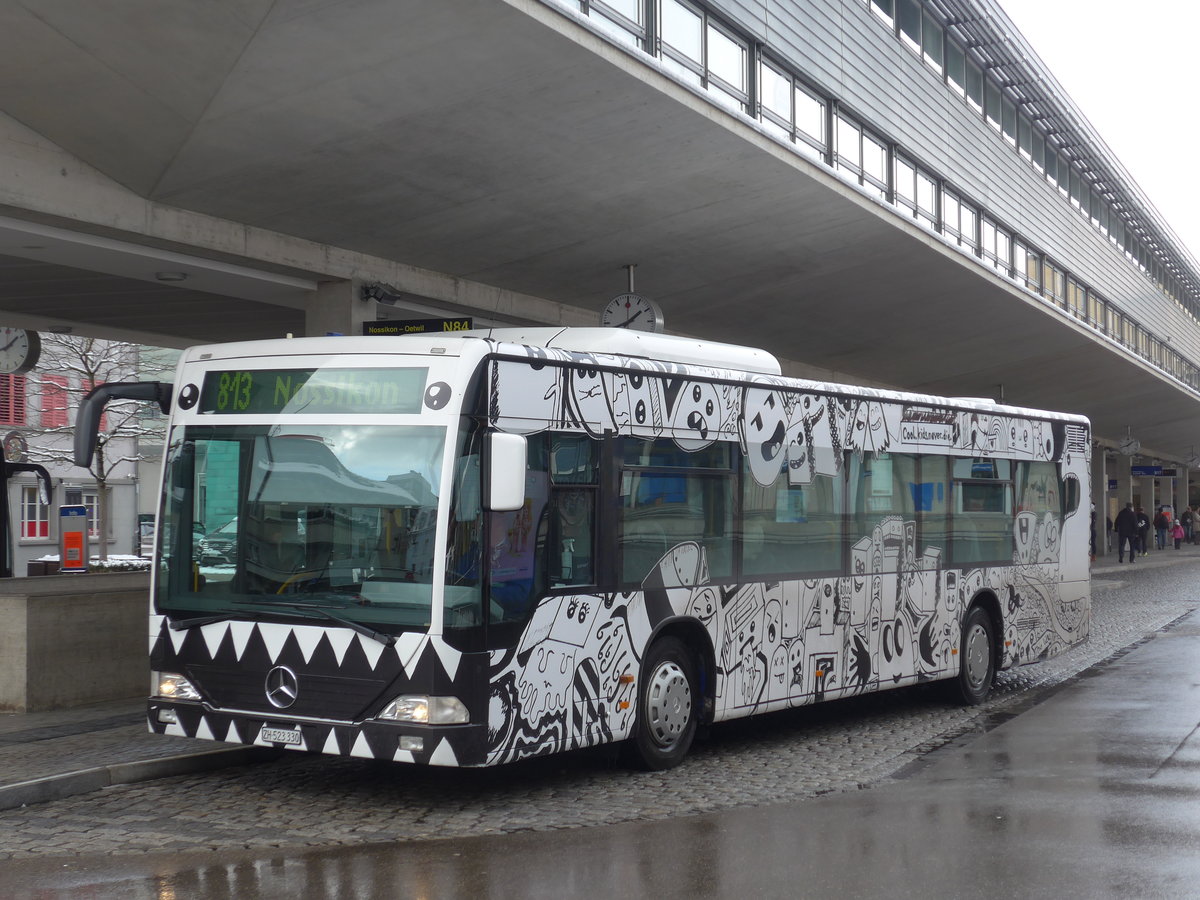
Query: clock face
(632, 311)
(19, 350)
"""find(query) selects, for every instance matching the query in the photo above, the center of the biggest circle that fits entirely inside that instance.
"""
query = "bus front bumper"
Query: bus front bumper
(437, 745)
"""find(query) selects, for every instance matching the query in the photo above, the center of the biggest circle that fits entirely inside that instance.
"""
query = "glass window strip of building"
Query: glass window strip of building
(710, 54)
(919, 29)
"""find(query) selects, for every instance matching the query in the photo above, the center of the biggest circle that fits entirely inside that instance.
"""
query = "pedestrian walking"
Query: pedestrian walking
(1161, 524)
(1143, 530)
(1186, 519)
(1126, 527)
(1177, 534)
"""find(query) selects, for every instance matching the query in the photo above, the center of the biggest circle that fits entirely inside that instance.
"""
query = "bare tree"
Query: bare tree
(70, 367)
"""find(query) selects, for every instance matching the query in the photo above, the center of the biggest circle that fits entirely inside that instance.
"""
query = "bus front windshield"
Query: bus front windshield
(330, 522)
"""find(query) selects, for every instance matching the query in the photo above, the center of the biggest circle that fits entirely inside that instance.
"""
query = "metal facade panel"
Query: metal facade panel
(845, 51)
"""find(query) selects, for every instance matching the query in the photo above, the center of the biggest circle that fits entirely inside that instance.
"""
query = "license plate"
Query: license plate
(282, 736)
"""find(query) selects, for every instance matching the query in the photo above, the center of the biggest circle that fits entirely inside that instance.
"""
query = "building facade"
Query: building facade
(942, 110)
(37, 414)
(888, 192)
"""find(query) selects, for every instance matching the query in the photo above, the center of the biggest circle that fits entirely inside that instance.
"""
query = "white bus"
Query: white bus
(467, 549)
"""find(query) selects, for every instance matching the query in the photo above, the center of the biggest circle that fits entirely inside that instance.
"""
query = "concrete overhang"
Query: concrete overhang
(504, 143)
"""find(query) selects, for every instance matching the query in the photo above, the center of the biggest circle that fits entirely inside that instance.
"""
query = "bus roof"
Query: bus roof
(710, 355)
(638, 344)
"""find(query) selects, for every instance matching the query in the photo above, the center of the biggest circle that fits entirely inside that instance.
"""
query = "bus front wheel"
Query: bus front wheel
(667, 706)
(977, 655)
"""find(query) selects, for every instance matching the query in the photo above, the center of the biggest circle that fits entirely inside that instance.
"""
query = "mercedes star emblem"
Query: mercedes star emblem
(282, 687)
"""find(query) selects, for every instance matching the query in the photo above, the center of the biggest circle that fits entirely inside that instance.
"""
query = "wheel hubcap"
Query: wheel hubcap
(977, 656)
(668, 704)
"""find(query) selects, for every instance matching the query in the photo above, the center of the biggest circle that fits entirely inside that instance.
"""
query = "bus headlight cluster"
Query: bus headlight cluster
(425, 710)
(171, 686)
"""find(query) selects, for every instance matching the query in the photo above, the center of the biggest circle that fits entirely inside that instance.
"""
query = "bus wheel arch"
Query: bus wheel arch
(673, 699)
(979, 650)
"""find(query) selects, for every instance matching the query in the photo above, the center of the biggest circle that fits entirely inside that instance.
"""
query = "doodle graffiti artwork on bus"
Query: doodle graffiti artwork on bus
(469, 549)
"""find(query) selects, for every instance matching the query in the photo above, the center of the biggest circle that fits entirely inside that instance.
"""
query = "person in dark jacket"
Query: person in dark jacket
(1161, 524)
(1126, 527)
(1143, 521)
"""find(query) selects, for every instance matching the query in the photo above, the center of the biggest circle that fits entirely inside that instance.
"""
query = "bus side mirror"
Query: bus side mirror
(506, 472)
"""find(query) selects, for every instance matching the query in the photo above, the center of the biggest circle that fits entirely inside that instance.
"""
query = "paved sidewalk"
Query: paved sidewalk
(49, 755)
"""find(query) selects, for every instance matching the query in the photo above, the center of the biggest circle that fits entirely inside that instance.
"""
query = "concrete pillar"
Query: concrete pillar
(1121, 466)
(336, 308)
(1100, 497)
(1124, 492)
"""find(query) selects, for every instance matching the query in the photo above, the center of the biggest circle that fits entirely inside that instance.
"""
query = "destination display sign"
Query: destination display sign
(306, 391)
(416, 326)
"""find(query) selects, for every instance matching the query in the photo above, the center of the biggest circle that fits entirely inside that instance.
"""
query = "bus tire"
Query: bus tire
(668, 706)
(977, 655)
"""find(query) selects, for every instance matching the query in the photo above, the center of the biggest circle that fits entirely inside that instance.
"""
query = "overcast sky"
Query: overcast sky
(1131, 69)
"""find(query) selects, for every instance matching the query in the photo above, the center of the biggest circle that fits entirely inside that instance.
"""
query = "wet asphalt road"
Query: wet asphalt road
(1030, 808)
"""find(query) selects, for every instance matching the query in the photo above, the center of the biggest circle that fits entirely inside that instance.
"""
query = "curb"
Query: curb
(56, 787)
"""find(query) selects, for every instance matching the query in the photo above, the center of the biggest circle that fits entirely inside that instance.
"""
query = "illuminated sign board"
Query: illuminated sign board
(325, 390)
(392, 327)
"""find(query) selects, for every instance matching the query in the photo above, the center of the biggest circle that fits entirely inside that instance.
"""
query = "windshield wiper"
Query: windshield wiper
(184, 624)
(386, 639)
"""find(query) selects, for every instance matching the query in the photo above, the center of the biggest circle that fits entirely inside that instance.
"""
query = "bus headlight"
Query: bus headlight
(170, 686)
(425, 710)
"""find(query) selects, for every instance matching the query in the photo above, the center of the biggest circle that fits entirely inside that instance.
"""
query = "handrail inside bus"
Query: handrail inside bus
(87, 421)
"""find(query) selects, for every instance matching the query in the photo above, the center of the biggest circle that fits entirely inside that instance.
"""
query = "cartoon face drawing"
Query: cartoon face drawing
(703, 605)
(766, 432)
(588, 401)
(860, 436)
(697, 415)
(796, 657)
(637, 402)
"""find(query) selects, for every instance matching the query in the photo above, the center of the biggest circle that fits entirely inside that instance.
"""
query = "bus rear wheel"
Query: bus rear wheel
(977, 655)
(667, 707)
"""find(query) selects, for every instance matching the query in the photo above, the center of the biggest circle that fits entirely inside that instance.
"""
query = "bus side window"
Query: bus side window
(880, 489)
(931, 499)
(982, 518)
(515, 540)
(791, 528)
(550, 542)
(670, 496)
(574, 476)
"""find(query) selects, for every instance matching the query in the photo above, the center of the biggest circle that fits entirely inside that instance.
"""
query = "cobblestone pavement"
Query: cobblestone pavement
(307, 801)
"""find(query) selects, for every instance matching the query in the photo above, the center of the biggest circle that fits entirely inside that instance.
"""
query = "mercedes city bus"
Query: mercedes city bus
(465, 549)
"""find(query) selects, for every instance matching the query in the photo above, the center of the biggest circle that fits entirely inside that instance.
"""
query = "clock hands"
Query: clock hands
(629, 321)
